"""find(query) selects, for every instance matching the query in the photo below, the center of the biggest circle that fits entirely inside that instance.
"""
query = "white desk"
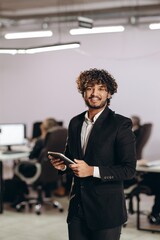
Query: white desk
(13, 156)
(154, 169)
(6, 157)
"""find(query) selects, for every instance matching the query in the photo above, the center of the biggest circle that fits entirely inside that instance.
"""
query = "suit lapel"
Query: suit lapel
(79, 128)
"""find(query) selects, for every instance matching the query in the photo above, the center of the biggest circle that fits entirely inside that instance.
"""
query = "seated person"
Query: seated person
(136, 126)
(148, 179)
(20, 186)
(46, 125)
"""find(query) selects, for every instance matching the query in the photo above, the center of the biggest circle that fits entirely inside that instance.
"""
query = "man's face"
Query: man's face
(95, 96)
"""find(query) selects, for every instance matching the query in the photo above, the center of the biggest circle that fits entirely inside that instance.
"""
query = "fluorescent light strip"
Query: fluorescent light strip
(94, 30)
(12, 51)
(53, 48)
(8, 51)
(40, 49)
(154, 26)
(84, 19)
(33, 34)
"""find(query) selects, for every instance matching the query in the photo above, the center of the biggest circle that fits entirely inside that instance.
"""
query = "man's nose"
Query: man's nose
(94, 91)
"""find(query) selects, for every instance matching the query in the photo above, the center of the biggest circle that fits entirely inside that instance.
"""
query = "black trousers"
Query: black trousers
(78, 229)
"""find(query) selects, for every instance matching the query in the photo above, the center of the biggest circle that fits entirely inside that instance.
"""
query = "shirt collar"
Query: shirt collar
(87, 120)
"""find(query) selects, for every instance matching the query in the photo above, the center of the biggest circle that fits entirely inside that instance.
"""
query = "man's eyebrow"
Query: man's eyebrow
(102, 85)
(89, 86)
(99, 85)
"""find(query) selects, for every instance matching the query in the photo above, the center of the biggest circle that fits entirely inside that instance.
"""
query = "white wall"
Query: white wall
(33, 87)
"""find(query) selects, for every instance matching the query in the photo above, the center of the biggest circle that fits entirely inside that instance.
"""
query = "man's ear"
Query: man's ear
(109, 96)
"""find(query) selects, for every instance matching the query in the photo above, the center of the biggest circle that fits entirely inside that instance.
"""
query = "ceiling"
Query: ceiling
(21, 14)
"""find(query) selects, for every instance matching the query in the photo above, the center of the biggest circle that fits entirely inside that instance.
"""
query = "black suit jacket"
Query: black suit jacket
(111, 147)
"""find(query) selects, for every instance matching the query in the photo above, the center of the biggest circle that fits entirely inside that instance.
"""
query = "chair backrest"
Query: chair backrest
(29, 172)
(36, 131)
(55, 141)
(142, 139)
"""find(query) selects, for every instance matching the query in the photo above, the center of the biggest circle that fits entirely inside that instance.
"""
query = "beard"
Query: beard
(101, 105)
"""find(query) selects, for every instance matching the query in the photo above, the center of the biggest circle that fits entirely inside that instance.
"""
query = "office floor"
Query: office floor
(51, 225)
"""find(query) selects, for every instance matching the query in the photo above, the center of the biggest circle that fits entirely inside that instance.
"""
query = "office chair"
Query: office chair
(132, 188)
(135, 191)
(36, 131)
(142, 139)
(48, 178)
(29, 173)
(55, 141)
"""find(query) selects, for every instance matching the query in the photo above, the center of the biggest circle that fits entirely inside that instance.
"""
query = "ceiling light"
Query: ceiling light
(55, 47)
(8, 51)
(85, 22)
(108, 29)
(61, 46)
(154, 26)
(33, 34)
(12, 51)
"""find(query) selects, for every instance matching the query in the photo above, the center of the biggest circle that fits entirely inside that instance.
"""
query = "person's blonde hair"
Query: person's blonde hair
(49, 123)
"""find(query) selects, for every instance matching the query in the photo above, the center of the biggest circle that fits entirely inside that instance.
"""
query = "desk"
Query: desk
(145, 225)
(3, 158)
(153, 169)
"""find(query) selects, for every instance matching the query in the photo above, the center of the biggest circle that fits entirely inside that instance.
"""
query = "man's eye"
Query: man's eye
(88, 88)
(102, 89)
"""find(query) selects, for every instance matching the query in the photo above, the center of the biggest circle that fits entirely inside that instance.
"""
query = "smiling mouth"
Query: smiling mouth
(95, 99)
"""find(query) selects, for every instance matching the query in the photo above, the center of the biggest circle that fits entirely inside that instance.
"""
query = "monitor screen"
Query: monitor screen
(12, 134)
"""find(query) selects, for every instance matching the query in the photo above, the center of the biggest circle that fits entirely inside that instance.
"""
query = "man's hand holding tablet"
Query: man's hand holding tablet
(60, 161)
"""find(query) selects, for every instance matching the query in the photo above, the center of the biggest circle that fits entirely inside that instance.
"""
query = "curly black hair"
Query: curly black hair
(96, 76)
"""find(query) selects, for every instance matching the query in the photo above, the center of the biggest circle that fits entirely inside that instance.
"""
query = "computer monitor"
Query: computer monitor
(12, 134)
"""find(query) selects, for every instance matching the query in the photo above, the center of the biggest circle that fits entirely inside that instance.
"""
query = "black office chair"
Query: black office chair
(36, 131)
(29, 173)
(142, 139)
(55, 141)
(48, 178)
(131, 187)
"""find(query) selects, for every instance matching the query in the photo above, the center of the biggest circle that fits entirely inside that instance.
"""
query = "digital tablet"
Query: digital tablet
(61, 156)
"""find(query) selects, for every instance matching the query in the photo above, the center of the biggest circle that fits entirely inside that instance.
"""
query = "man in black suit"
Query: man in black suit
(102, 145)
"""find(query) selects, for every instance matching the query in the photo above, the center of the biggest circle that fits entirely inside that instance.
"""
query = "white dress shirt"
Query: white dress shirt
(85, 133)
